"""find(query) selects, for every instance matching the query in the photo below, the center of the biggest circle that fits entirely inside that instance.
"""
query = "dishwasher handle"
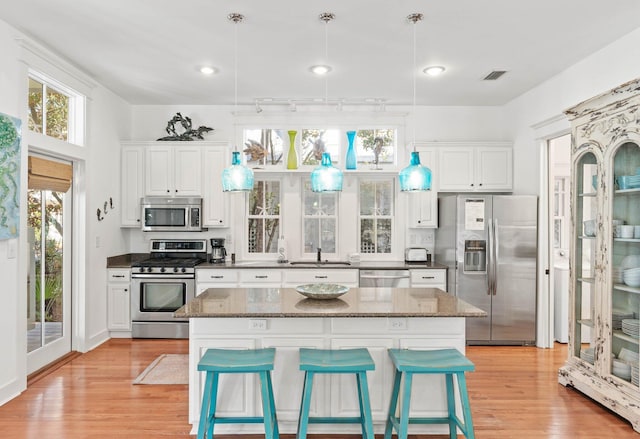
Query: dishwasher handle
(364, 276)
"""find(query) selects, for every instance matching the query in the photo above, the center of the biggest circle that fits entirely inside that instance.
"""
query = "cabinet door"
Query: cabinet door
(215, 203)
(432, 278)
(423, 206)
(159, 171)
(494, 169)
(118, 300)
(187, 169)
(456, 169)
(131, 185)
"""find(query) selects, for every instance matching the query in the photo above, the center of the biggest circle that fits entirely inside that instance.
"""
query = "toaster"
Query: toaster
(417, 254)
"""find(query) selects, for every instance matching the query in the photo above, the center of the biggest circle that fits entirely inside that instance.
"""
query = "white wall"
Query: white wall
(98, 175)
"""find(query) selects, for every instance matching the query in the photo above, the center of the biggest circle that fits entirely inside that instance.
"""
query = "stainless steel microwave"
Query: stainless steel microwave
(175, 214)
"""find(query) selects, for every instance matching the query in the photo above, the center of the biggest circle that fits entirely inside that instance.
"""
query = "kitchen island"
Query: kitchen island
(375, 318)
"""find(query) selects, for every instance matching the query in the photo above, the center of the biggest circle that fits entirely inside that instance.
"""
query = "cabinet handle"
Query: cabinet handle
(321, 277)
(262, 276)
(216, 277)
(118, 275)
(126, 289)
(168, 191)
(471, 184)
(480, 184)
(428, 277)
(176, 190)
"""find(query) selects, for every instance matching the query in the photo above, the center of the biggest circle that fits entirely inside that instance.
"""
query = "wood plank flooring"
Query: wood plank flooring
(514, 394)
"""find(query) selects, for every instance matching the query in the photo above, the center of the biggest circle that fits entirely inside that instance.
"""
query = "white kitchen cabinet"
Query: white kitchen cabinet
(173, 169)
(423, 206)
(215, 207)
(215, 278)
(119, 302)
(471, 167)
(341, 276)
(429, 278)
(131, 184)
(260, 278)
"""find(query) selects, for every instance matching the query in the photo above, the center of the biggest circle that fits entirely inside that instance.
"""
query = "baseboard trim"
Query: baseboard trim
(51, 367)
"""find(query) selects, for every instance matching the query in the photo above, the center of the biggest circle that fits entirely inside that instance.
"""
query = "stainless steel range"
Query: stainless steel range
(162, 284)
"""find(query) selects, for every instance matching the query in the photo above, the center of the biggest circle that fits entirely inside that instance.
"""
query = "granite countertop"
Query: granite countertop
(125, 261)
(357, 302)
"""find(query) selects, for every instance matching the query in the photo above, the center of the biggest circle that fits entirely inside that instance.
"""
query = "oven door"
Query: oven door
(156, 298)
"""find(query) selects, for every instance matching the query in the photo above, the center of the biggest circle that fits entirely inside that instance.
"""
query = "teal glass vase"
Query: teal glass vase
(351, 161)
(415, 177)
(326, 177)
(237, 178)
(292, 156)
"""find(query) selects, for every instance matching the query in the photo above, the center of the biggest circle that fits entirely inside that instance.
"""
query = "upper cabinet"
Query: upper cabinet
(604, 336)
(173, 169)
(475, 167)
(423, 206)
(131, 184)
(215, 208)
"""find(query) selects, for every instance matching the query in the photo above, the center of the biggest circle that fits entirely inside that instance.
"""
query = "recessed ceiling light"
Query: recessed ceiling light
(320, 70)
(434, 70)
(207, 70)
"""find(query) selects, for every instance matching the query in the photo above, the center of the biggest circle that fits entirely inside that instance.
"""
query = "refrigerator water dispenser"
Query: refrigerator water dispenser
(475, 255)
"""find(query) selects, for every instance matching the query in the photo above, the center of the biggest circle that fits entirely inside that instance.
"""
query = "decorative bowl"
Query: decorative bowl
(322, 291)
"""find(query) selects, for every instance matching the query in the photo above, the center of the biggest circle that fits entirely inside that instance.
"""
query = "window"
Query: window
(560, 208)
(320, 219)
(376, 146)
(263, 215)
(265, 146)
(376, 216)
(55, 110)
(316, 141)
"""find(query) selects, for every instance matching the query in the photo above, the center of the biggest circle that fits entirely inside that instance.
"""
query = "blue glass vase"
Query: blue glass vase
(326, 177)
(237, 177)
(415, 177)
(351, 162)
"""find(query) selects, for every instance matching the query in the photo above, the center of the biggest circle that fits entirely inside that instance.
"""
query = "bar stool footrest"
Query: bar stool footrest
(341, 420)
(236, 420)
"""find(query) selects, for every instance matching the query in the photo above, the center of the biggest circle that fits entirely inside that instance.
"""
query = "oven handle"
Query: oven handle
(158, 277)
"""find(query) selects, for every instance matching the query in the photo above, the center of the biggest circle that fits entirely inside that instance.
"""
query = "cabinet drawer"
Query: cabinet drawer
(118, 276)
(217, 276)
(300, 277)
(260, 276)
(428, 277)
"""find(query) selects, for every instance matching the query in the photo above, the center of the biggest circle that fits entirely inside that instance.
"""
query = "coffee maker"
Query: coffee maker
(218, 252)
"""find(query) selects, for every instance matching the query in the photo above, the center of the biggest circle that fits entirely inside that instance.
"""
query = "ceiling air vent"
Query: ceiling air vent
(494, 75)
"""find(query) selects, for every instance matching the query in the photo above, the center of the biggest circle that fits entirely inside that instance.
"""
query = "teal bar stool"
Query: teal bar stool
(449, 362)
(356, 361)
(217, 361)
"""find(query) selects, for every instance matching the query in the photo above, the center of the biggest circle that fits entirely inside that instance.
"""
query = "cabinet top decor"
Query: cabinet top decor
(184, 130)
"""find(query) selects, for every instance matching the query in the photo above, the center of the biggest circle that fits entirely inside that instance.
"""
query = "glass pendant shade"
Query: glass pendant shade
(326, 177)
(237, 177)
(415, 177)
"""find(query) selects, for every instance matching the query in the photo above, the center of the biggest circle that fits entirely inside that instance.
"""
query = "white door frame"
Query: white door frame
(544, 131)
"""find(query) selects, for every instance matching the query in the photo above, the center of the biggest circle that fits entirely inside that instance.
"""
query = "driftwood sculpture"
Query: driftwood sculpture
(184, 124)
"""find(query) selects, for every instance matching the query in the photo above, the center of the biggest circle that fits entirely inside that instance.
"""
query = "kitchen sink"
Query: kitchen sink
(320, 263)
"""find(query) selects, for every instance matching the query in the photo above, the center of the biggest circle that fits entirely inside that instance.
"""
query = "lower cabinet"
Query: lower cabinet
(429, 278)
(346, 277)
(119, 302)
(215, 278)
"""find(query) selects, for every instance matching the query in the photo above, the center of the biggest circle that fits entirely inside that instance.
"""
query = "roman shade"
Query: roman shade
(49, 175)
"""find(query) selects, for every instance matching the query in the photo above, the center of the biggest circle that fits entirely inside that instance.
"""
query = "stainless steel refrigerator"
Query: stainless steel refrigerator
(489, 243)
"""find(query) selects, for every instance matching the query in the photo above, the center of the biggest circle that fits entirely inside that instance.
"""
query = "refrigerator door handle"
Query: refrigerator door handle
(496, 244)
(489, 262)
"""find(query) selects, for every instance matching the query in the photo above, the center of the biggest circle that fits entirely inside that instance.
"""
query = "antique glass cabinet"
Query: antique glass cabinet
(605, 251)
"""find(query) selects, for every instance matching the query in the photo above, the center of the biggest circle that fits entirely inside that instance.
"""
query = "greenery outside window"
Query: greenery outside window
(376, 215)
(316, 141)
(266, 146)
(376, 146)
(320, 219)
(263, 217)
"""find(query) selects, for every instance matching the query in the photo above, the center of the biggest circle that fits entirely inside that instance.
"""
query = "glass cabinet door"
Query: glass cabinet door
(625, 262)
(585, 245)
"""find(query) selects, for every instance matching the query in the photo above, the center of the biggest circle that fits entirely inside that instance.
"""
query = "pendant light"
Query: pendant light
(237, 177)
(326, 177)
(415, 177)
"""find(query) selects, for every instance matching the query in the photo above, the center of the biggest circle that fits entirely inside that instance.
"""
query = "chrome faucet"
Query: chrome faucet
(319, 254)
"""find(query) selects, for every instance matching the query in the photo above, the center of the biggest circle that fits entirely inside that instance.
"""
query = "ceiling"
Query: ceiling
(150, 51)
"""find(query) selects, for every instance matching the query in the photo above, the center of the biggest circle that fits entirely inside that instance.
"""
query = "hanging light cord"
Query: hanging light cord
(414, 18)
(235, 67)
(326, 60)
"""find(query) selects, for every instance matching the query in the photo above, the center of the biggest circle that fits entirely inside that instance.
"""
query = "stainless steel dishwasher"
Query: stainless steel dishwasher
(385, 278)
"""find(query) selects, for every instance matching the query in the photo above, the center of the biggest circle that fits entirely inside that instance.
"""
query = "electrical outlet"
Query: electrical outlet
(258, 324)
(398, 324)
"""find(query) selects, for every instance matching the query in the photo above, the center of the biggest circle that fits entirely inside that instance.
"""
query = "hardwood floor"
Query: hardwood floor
(514, 394)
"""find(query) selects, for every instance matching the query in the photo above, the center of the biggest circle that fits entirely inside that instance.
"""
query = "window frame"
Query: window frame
(395, 236)
(262, 254)
(304, 185)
